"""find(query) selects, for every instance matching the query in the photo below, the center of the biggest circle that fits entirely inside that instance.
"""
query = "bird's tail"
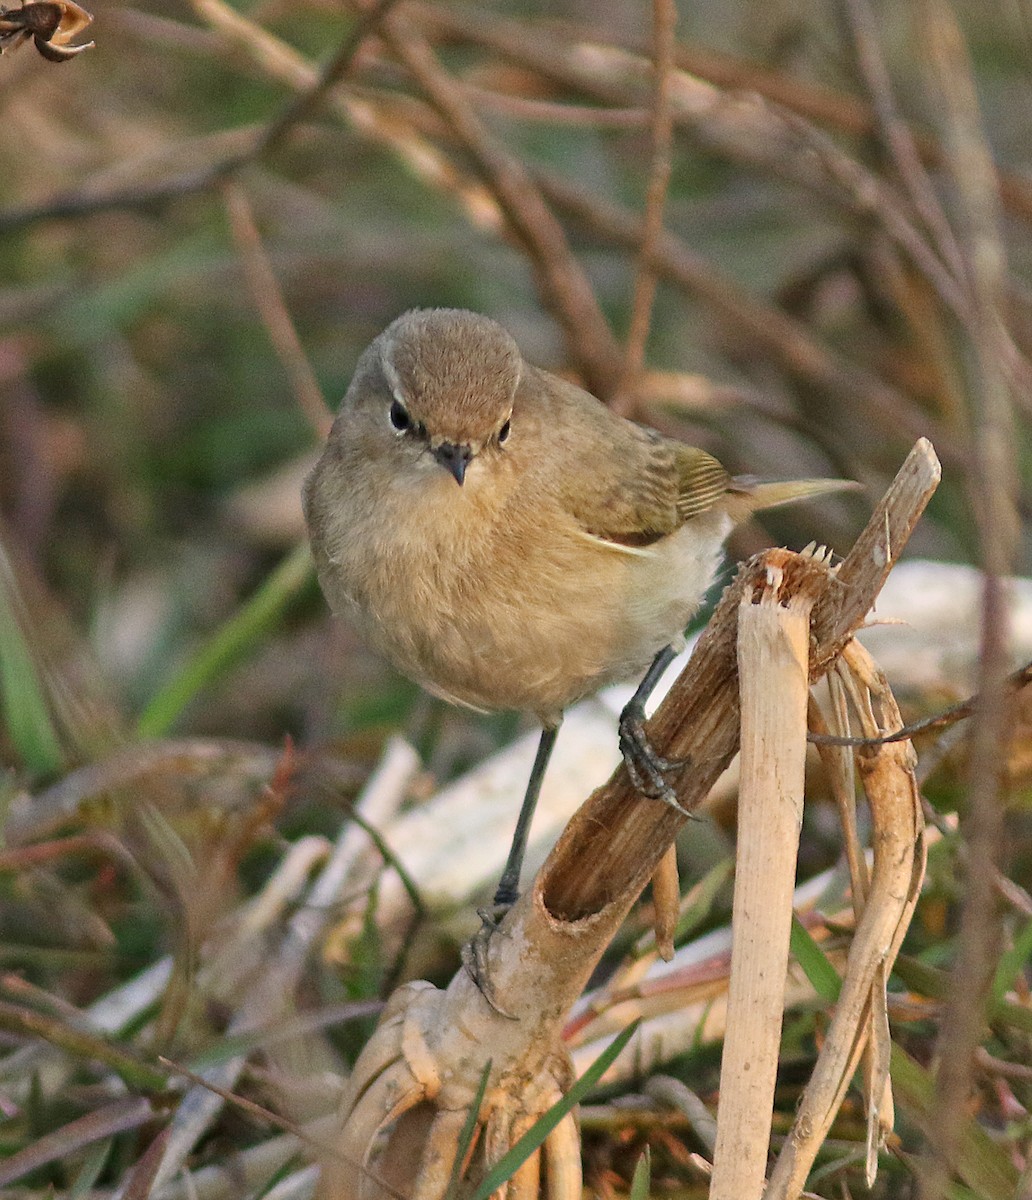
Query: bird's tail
(747, 495)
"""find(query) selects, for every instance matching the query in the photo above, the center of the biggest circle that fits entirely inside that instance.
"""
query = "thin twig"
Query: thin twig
(897, 135)
(555, 113)
(775, 333)
(267, 1117)
(268, 299)
(565, 288)
(990, 477)
(664, 22)
(848, 183)
(333, 72)
(203, 178)
(942, 720)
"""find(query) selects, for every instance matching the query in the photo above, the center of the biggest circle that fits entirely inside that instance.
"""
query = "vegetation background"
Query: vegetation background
(200, 233)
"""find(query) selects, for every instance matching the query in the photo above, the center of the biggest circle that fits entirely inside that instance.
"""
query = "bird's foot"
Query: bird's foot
(475, 951)
(646, 768)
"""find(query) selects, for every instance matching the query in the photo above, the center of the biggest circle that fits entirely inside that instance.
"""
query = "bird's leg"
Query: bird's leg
(645, 767)
(474, 956)
(509, 885)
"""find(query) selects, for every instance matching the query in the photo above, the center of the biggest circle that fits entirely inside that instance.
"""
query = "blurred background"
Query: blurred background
(199, 237)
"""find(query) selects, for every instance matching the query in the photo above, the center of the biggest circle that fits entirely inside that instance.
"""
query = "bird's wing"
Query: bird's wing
(701, 481)
(625, 484)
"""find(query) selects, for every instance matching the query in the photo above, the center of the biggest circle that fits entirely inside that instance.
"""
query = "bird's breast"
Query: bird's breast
(496, 604)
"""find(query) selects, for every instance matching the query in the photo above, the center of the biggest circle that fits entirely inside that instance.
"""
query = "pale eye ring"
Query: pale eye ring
(503, 433)
(399, 417)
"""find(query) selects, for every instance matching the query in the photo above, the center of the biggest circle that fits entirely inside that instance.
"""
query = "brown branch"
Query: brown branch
(990, 475)
(208, 176)
(846, 114)
(784, 340)
(897, 136)
(564, 286)
(268, 299)
(336, 69)
(553, 112)
(664, 22)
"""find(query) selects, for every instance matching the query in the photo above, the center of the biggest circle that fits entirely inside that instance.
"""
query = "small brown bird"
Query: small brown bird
(506, 540)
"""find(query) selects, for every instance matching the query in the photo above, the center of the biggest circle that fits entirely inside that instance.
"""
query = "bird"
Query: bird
(508, 542)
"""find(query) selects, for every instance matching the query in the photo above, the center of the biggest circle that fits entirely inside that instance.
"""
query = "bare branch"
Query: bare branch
(991, 484)
(565, 288)
(664, 22)
(268, 299)
(776, 334)
(897, 136)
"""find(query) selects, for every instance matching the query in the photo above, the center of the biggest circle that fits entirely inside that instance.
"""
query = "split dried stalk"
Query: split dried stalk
(773, 675)
(897, 836)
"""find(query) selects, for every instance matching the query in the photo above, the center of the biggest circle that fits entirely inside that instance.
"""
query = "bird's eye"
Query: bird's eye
(399, 417)
(503, 433)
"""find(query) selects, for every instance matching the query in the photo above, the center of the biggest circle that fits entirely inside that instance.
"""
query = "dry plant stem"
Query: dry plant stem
(838, 767)
(556, 112)
(897, 136)
(268, 299)
(664, 22)
(887, 773)
(666, 901)
(271, 996)
(744, 127)
(336, 69)
(788, 342)
(674, 1093)
(991, 487)
(431, 1048)
(565, 288)
(773, 679)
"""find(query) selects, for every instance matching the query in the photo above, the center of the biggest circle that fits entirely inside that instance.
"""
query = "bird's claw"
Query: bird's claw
(646, 768)
(474, 955)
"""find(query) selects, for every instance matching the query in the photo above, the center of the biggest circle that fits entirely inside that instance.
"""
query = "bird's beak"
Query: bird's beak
(454, 458)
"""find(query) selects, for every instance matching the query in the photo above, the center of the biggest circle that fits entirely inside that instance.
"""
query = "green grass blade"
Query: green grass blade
(1015, 960)
(641, 1184)
(510, 1163)
(816, 966)
(90, 1170)
(985, 1167)
(236, 638)
(469, 1128)
(23, 693)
